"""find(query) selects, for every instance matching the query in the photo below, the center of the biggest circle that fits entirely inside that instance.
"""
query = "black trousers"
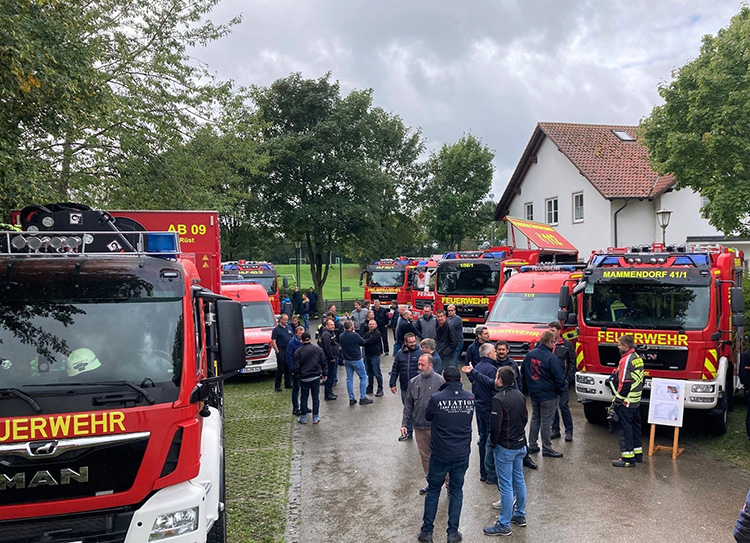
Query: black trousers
(628, 430)
(384, 338)
(282, 370)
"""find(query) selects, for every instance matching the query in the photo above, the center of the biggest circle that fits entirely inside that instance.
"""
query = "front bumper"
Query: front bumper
(261, 365)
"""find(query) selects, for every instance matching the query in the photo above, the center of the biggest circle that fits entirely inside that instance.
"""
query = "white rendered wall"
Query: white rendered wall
(686, 217)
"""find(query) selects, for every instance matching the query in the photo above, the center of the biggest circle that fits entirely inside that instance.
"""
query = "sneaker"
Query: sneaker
(425, 537)
(352, 402)
(455, 537)
(404, 438)
(379, 393)
(491, 482)
(423, 491)
(533, 449)
(368, 391)
(331, 397)
(622, 463)
(568, 437)
(497, 505)
(555, 435)
(277, 389)
(302, 419)
(316, 420)
(552, 453)
(365, 401)
(296, 412)
(518, 521)
(497, 529)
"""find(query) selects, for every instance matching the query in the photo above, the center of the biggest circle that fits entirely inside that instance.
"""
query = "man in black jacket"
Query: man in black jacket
(381, 317)
(450, 412)
(311, 368)
(406, 326)
(445, 339)
(508, 440)
(373, 350)
(565, 353)
(330, 346)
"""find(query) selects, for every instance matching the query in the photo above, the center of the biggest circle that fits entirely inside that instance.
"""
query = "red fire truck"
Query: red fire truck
(683, 307)
(258, 272)
(472, 280)
(112, 356)
(421, 276)
(387, 280)
(527, 303)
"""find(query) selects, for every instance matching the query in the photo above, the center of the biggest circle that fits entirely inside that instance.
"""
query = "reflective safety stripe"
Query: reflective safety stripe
(709, 366)
(579, 358)
(627, 454)
(638, 450)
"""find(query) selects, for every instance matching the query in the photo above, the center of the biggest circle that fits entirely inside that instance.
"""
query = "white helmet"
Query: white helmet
(81, 360)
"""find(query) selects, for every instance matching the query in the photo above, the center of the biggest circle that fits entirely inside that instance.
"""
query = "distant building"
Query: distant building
(593, 183)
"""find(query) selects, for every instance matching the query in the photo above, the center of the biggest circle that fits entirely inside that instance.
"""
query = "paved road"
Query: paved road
(355, 482)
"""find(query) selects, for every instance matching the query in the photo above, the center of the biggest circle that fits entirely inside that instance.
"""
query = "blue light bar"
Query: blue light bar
(550, 268)
(161, 242)
(495, 254)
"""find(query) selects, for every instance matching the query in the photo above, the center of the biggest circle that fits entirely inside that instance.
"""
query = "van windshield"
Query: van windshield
(257, 314)
(525, 308)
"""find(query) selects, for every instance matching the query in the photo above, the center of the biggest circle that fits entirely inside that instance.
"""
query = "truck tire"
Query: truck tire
(718, 421)
(595, 412)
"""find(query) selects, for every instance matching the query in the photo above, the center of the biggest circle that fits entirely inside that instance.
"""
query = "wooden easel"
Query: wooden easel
(674, 448)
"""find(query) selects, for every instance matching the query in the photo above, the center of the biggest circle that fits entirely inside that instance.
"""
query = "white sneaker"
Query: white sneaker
(497, 505)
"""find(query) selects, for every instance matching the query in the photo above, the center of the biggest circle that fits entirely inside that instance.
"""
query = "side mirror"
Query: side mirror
(562, 315)
(738, 320)
(486, 315)
(231, 336)
(572, 319)
(564, 300)
(285, 282)
(738, 299)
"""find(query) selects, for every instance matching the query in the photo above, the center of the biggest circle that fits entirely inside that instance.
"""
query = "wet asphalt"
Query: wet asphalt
(353, 481)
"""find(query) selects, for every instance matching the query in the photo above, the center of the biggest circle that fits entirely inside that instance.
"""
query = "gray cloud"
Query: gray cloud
(493, 68)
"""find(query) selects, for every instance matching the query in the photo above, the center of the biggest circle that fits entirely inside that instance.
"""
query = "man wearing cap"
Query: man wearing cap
(450, 412)
(311, 368)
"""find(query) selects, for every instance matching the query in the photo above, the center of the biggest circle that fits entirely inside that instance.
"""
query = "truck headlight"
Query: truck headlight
(706, 389)
(585, 379)
(173, 524)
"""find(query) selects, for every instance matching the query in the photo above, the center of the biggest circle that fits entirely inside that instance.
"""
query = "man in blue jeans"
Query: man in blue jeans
(351, 344)
(508, 440)
(450, 412)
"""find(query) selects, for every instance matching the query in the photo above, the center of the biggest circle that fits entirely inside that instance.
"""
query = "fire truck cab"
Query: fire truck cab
(259, 272)
(682, 305)
(386, 280)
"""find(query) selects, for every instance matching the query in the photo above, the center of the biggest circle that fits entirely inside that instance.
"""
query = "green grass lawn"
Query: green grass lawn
(349, 272)
(258, 438)
(732, 446)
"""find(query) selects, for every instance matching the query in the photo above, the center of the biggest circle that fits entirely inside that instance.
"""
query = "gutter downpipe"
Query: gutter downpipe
(615, 217)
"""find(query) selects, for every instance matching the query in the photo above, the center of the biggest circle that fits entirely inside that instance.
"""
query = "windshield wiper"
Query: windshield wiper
(25, 397)
(128, 384)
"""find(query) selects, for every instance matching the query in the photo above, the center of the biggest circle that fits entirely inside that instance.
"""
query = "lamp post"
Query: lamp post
(663, 216)
(298, 255)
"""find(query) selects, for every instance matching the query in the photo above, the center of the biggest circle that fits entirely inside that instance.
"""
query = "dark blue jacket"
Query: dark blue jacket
(404, 327)
(405, 366)
(472, 353)
(543, 374)
(511, 364)
(482, 379)
(290, 348)
(351, 344)
(381, 316)
(450, 412)
(394, 317)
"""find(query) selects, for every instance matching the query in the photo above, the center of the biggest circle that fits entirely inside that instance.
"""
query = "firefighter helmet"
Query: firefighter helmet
(81, 360)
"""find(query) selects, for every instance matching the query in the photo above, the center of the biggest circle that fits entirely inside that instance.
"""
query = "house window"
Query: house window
(704, 201)
(578, 207)
(623, 135)
(528, 211)
(551, 206)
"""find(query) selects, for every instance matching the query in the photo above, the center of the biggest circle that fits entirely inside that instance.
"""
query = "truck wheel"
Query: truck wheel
(718, 423)
(595, 412)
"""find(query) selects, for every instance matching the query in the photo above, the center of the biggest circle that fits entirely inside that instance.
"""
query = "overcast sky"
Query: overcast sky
(493, 68)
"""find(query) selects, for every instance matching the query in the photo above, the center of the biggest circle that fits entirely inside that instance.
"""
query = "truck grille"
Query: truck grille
(257, 350)
(100, 527)
(654, 358)
(471, 311)
(518, 349)
(387, 298)
(419, 303)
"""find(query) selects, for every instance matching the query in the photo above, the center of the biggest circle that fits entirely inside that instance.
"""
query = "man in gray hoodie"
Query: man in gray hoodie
(418, 393)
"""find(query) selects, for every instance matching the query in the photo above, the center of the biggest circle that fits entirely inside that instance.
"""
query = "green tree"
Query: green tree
(460, 177)
(701, 134)
(337, 167)
(103, 87)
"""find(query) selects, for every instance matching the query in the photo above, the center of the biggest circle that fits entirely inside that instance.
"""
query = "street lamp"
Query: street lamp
(663, 216)
(298, 256)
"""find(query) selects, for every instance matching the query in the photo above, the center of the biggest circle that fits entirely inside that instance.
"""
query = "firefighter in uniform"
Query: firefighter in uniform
(626, 384)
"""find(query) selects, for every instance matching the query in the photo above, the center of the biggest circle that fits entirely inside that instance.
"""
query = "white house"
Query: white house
(593, 183)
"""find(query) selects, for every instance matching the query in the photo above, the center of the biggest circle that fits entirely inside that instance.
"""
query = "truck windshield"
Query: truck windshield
(647, 305)
(385, 278)
(140, 341)
(467, 279)
(268, 282)
(525, 308)
(420, 278)
(257, 315)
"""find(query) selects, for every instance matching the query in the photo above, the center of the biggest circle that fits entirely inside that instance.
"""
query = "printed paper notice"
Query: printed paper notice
(667, 402)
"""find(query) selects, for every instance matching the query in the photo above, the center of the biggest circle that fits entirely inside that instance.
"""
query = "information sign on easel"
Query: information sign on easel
(666, 408)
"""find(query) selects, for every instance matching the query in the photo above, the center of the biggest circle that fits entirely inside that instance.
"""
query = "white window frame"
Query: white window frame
(555, 211)
(704, 200)
(528, 206)
(575, 195)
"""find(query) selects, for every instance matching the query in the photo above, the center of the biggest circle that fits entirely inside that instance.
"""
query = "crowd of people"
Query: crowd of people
(438, 412)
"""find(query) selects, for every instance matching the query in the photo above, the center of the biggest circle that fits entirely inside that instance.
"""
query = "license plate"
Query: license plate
(469, 329)
(251, 369)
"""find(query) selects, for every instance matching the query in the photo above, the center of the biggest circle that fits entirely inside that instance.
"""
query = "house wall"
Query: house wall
(686, 217)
